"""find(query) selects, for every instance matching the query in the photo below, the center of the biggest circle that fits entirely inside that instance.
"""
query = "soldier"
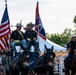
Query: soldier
(31, 36)
(17, 37)
(71, 46)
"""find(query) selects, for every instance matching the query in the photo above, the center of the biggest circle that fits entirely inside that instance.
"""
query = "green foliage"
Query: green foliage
(60, 39)
(74, 20)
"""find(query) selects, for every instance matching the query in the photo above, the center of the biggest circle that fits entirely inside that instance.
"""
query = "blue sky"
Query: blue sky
(56, 15)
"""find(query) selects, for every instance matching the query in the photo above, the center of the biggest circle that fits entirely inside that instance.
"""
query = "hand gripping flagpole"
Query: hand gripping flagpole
(8, 53)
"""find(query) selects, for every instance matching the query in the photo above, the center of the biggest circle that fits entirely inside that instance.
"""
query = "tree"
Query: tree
(60, 39)
(74, 20)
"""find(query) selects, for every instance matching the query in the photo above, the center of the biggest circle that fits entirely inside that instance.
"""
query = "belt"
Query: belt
(17, 41)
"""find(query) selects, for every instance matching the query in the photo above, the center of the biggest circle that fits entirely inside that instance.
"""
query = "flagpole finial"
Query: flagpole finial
(37, 2)
(5, 2)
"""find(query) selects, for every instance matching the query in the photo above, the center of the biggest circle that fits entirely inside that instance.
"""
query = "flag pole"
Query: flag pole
(39, 24)
(6, 7)
(38, 14)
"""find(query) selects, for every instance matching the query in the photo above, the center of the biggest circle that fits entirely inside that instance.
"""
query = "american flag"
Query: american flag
(38, 24)
(5, 32)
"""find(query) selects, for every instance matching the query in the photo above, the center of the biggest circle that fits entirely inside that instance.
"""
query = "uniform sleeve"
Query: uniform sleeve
(12, 35)
(35, 35)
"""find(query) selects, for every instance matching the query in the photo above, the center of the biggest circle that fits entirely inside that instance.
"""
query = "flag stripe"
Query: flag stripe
(41, 35)
(3, 44)
(4, 30)
(5, 33)
(4, 24)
